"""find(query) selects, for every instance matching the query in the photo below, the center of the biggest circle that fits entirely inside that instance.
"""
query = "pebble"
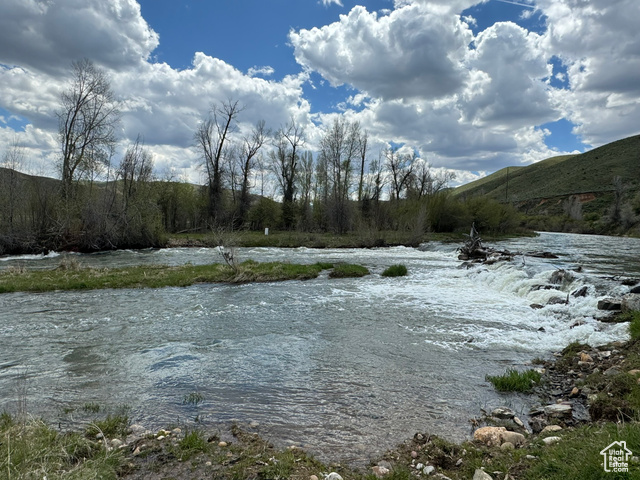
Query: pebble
(99, 436)
(459, 462)
(333, 476)
(551, 428)
(313, 477)
(585, 357)
(574, 392)
(161, 437)
(551, 440)
(136, 452)
(429, 469)
(518, 422)
(208, 464)
(530, 457)
(222, 444)
(380, 471)
(116, 442)
(176, 431)
(254, 424)
(419, 466)
(481, 475)
(414, 454)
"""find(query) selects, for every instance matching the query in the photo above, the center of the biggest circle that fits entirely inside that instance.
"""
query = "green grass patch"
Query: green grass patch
(634, 324)
(34, 450)
(515, 381)
(155, 276)
(192, 444)
(395, 271)
(348, 270)
(115, 425)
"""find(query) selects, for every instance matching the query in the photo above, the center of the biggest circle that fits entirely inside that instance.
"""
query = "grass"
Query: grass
(515, 381)
(348, 270)
(634, 324)
(155, 276)
(34, 450)
(114, 425)
(395, 271)
(193, 443)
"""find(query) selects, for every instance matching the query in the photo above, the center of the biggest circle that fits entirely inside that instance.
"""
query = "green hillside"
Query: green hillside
(588, 173)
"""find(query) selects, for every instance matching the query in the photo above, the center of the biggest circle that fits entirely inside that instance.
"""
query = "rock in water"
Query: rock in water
(558, 410)
(503, 413)
(630, 302)
(609, 304)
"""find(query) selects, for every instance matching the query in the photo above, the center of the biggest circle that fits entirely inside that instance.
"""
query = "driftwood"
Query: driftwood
(474, 251)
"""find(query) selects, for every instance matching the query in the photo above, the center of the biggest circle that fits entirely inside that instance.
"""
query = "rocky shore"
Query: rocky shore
(584, 395)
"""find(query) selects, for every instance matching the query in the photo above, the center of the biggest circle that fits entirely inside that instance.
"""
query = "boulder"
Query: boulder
(560, 276)
(557, 301)
(610, 304)
(635, 289)
(507, 446)
(630, 302)
(490, 436)
(581, 292)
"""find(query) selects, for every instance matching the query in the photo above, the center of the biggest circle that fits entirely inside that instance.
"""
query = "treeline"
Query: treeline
(98, 204)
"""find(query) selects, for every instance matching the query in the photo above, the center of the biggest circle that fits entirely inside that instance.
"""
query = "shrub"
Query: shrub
(348, 270)
(515, 381)
(395, 271)
(634, 324)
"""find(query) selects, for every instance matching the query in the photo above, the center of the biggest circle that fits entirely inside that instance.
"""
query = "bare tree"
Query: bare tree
(12, 160)
(363, 156)
(424, 182)
(289, 140)
(400, 166)
(136, 170)
(87, 120)
(251, 145)
(340, 146)
(211, 138)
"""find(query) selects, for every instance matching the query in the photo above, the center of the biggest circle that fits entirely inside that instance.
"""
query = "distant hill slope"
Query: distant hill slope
(587, 173)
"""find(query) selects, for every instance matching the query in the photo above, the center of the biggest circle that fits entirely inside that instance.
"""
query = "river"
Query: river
(343, 367)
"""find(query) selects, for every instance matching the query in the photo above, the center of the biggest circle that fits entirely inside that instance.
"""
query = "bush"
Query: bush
(634, 324)
(348, 270)
(515, 381)
(395, 271)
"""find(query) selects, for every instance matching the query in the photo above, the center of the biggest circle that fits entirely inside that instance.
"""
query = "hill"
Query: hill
(588, 176)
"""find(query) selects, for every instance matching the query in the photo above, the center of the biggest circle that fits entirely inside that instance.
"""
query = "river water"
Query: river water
(346, 368)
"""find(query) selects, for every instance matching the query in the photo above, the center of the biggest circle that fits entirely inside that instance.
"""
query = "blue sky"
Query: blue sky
(473, 86)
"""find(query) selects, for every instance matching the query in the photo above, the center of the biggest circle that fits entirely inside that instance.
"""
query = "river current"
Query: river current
(346, 368)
